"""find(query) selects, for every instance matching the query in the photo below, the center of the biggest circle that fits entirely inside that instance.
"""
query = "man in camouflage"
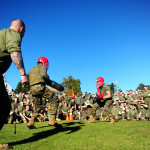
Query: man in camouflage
(38, 79)
(10, 50)
(103, 100)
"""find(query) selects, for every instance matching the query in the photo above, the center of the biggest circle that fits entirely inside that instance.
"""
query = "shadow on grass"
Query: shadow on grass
(44, 134)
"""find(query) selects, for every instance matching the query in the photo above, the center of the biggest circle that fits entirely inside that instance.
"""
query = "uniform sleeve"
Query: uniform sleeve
(108, 88)
(43, 73)
(13, 41)
(144, 94)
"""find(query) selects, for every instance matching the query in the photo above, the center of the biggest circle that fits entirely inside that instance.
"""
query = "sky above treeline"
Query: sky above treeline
(85, 39)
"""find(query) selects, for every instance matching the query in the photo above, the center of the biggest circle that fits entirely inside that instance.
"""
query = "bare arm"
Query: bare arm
(18, 61)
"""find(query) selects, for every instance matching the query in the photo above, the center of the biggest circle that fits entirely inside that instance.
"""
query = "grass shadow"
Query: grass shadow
(47, 133)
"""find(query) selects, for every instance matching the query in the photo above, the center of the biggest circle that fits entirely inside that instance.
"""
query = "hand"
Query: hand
(24, 81)
(100, 95)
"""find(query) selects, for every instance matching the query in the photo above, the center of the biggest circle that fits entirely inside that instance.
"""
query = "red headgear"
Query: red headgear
(44, 61)
(100, 79)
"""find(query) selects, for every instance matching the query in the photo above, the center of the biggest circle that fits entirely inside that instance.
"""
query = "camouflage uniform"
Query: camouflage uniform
(10, 41)
(132, 112)
(115, 111)
(66, 99)
(39, 91)
(107, 103)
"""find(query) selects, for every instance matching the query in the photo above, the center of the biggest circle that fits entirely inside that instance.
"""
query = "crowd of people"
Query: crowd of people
(134, 105)
(42, 104)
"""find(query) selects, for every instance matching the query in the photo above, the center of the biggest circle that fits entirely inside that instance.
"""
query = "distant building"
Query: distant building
(8, 86)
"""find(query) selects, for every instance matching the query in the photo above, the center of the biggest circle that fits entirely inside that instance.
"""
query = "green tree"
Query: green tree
(148, 87)
(112, 87)
(71, 83)
(18, 88)
(141, 86)
(119, 90)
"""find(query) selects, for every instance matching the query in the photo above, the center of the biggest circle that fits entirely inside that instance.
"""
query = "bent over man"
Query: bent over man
(10, 50)
(38, 79)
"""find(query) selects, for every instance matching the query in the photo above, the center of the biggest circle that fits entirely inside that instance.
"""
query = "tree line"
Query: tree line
(75, 84)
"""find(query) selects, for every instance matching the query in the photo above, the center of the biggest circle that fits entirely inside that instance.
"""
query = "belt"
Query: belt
(39, 84)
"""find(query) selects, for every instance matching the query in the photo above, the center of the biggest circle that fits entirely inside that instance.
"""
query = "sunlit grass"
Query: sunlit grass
(79, 135)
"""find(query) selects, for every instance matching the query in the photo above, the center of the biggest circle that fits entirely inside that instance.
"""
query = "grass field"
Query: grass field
(79, 135)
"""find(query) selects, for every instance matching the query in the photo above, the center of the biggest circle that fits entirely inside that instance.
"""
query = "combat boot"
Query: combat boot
(92, 119)
(30, 124)
(4, 146)
(52, 120)
(112, 121)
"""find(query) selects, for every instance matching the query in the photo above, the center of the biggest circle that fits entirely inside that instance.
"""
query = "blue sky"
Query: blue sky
(85, 39)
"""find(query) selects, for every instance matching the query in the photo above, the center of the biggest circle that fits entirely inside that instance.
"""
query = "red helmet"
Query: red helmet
(100, 79)
(44, 61)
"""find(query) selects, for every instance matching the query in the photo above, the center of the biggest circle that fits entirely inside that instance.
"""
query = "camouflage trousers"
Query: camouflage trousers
(4, 103)
(106, 104)
(40, 92)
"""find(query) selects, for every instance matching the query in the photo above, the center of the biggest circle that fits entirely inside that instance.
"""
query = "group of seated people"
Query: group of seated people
(134, 105)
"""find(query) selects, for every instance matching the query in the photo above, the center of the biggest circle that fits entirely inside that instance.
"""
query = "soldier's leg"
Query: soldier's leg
(128, 116)
(53, 105)
(107, 107)
(53, 112)
(5, 107)
(88, 111)
(48, 114)
(84, 114)
(5, 104)
(37, 92)
(37, 102)
(93, 112)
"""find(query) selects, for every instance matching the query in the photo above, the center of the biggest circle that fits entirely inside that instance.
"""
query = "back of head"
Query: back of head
(17, 23)
(18, 26)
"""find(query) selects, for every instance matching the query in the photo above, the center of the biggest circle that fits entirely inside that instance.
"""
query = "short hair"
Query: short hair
(19, 22)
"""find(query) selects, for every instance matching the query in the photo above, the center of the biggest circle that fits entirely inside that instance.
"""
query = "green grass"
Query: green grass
(79, 135)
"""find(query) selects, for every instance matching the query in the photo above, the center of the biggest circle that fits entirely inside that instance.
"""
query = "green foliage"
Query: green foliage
(148, 87)
(71, 83)
(141, 86)
(79, 135)
(119, 90)
(112, 87)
